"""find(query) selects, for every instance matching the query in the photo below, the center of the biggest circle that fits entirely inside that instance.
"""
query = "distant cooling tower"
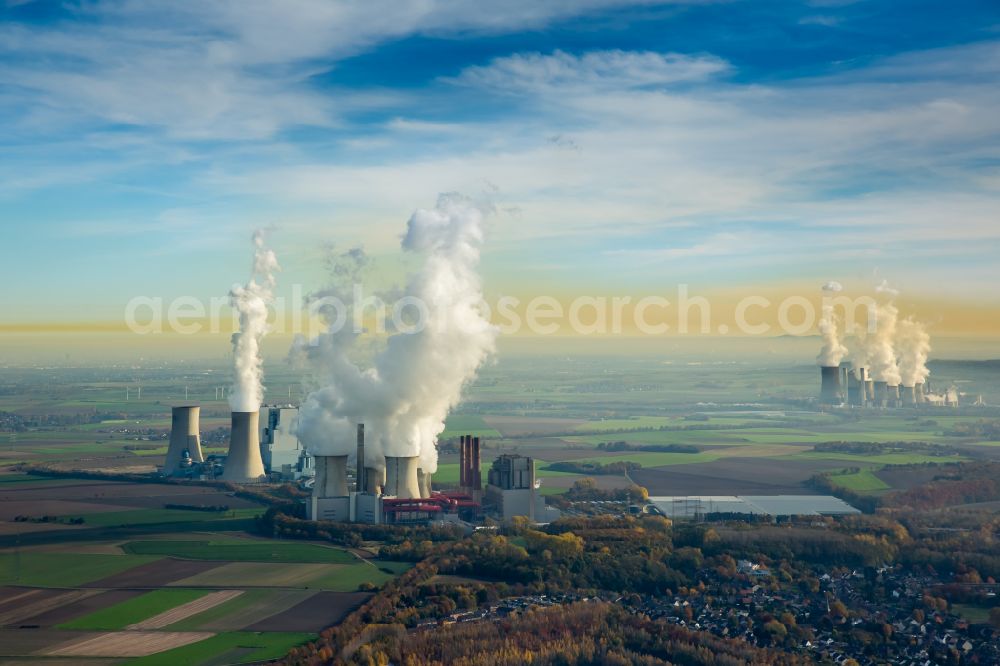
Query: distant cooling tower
(892, 395)
(856, 388)
(184, 436)
(243, 464)
(908, 396)
(424, 482)
(401, 477)
(331, 476)
(374, 480)
(831, 392)
(870, 391)
(881, 394)
(918, 392)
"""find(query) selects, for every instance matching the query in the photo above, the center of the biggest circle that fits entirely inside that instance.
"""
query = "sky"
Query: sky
(625, 147)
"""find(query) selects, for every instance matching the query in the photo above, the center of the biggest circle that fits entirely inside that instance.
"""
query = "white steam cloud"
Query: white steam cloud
(418, 377)
(833, 350)
(881, 352)
(251, 302)
(913, 345)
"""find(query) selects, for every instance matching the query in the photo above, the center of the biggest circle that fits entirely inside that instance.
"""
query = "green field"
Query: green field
(135, 610)
(347, 579)
(236, 604)
(234, 647)
(245, 551)
(862, 481)
(881, 459)
(64, 569)
(151, 516)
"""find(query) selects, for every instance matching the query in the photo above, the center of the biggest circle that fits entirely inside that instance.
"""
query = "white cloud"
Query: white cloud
(593, 71)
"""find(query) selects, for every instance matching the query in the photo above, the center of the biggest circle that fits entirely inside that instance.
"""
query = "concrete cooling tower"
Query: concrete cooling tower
(831, 392)
(374, 480)
(881, 394)
(184, 436)
(243, 464)
(892, 392)
(908, 396)
(424, 482)
(918, 392)
(331, 476)
(401, 477)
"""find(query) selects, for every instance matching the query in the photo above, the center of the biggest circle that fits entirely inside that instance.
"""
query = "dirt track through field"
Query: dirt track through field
(125, 644)
(37, 604)
(185, 611)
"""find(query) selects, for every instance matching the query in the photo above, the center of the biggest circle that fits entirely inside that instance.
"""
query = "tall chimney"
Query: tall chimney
(184, 436)
(243, 464)
(360, 481)
(476, 472)
(830, 392)
(461, 461)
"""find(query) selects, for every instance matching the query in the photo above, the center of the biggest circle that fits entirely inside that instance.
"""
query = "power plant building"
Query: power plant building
(511, 490)
(280, 449)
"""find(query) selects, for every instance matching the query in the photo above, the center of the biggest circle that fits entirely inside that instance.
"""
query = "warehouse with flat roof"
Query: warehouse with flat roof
(776, 506)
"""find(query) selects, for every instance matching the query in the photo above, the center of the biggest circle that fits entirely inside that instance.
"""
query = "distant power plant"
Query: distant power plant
(859, 390)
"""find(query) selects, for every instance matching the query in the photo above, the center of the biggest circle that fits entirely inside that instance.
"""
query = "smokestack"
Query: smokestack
(908, 398)
(401, 477)
(424, 482)
(331, 476)
(359, 468)
(881, 394)
(184, 436)
(476, 463)
(830, 392)
(243, 464)
(374, 480)
(463, 463)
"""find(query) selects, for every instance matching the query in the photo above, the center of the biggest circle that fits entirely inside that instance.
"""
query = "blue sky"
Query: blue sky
(626, 145)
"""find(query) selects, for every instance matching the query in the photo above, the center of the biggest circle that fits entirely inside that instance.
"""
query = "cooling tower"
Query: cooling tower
(243, 464)
(331, 476)
(424, 482)
(893, 395)
(374, 480)
(856, 388)
(908, 396)
(870, 391)
(184, 436)
(830, 393)
(401, 477)
(918, 392)
(881, 394)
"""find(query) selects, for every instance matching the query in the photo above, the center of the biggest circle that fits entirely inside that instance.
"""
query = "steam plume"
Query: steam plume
(418, 377)
(251, 301)
(913, 345)
(881, 353)
(833, 350)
